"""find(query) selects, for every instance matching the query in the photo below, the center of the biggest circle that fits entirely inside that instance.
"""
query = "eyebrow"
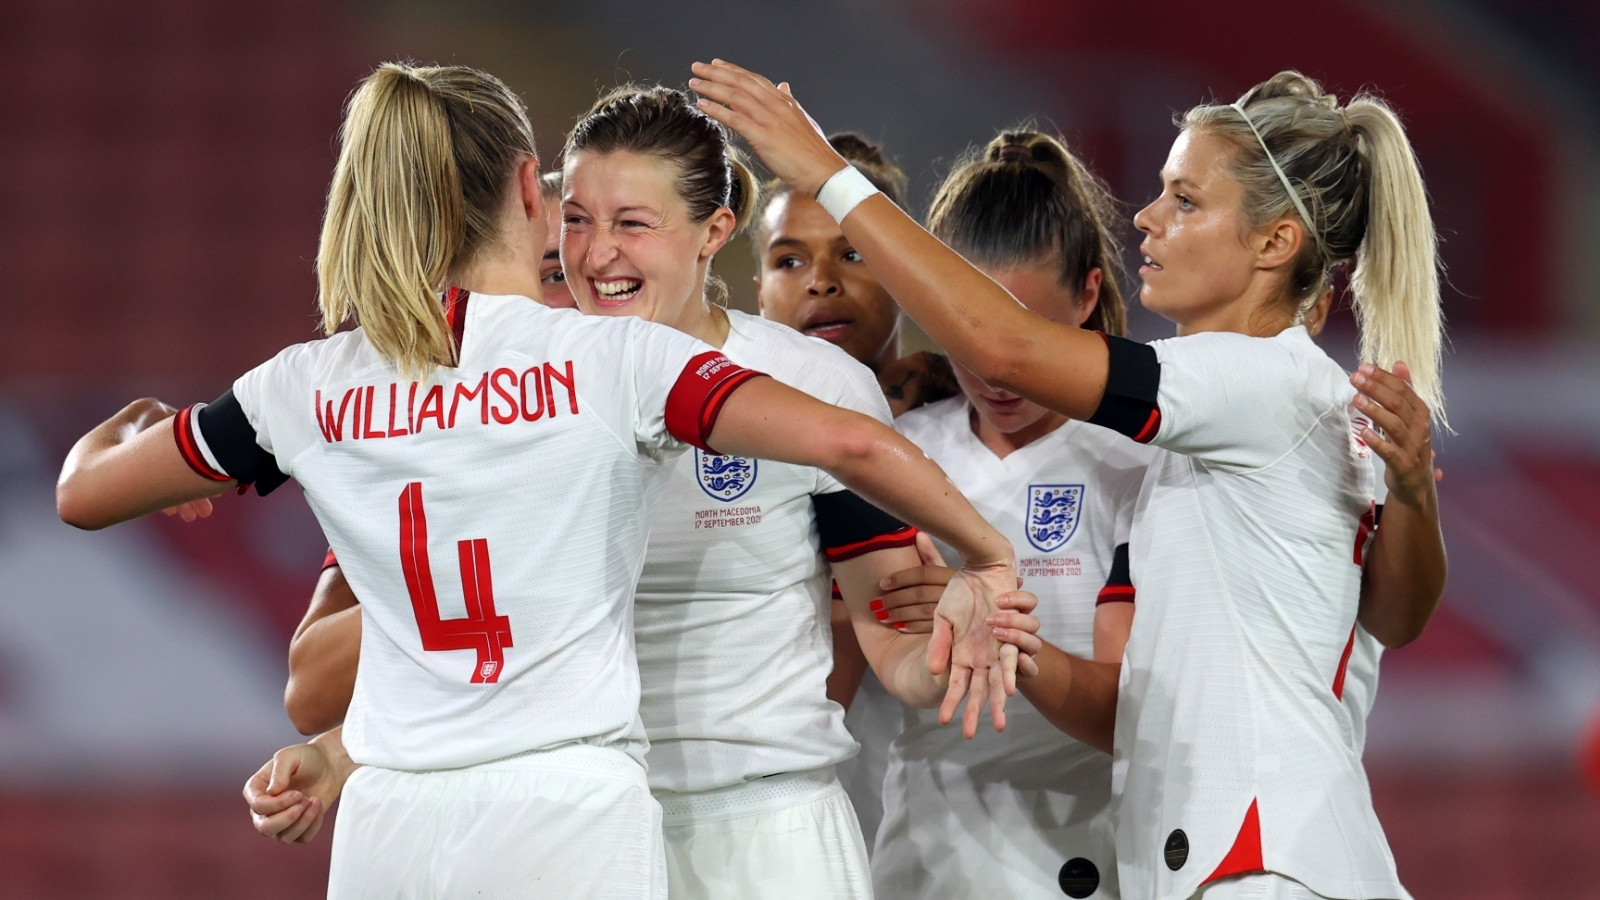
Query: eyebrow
(781, 241)
(552, 254)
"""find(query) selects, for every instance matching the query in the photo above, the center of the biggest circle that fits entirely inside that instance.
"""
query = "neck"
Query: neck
(1263, 310)
(1003, 444)
(508, 274)
(704, 320)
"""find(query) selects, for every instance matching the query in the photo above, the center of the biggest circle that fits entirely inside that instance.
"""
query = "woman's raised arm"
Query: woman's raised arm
(973, 318)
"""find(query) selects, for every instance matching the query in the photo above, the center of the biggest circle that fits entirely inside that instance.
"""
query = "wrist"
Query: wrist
(843, 190)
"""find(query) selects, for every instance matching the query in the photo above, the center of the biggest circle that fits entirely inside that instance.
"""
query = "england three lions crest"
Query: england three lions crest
(726, 478)
(1053, 513)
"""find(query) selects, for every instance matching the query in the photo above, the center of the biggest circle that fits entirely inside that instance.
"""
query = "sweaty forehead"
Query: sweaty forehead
(1199, 161)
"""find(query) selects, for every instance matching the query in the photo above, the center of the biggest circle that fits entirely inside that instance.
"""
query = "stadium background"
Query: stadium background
(162, 165)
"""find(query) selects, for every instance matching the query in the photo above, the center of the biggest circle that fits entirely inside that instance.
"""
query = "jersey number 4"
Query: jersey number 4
(482, 629)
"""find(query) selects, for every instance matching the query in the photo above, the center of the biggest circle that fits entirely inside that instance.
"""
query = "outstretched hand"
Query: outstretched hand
(770, 120)
(964, 646)
(290, 795)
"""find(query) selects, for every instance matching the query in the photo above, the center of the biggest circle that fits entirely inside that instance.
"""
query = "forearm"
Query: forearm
(849, 663)
(1404, 573)
(1076, 695)
(126, 467)
(975, 320)
(767, 420)
(899, 660)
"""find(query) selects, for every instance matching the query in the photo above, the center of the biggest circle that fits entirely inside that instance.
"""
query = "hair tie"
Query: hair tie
(1293, 197)
(1014, 152)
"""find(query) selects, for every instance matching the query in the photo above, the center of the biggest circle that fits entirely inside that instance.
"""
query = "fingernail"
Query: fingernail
(883, 615)
(884, 584)
(876, 604)
(900, 625)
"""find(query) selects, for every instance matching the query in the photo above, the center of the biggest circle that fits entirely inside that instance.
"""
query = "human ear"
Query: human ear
(1089, 298)
(719, 230)
(1317, 316)
(528, 187)
(1279, 243)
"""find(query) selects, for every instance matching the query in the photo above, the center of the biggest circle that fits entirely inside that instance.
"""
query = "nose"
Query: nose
(1144, 219)
(603, 248)
(824, 282)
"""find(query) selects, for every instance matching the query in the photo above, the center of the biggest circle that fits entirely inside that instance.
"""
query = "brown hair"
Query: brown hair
(426, 157)
(665, 123)
(1026, 199)
(868, 159)
(1354, 171)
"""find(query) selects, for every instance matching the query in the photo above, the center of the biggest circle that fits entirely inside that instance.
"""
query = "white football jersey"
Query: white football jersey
(1233, 751)
(489, 519)
(1003, 814)
(732, 614)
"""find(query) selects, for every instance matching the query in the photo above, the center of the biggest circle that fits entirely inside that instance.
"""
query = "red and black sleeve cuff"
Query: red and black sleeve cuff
(697, 398)
(1119, 587)
(850, 527)
(1133, 384)
(231, 439)
(189, 448)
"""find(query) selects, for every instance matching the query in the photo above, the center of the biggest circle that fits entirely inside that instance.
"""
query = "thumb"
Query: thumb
(283, 769)
(926, 551)
(939, 644)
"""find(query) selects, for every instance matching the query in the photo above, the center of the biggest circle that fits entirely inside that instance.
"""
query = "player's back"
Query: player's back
(489, 519)
(1231, 741)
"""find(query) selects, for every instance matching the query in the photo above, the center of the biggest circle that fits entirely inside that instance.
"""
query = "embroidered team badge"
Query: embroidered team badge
(725, 478)
(1053, 513)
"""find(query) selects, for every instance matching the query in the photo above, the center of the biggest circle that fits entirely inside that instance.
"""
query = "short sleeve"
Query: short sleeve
(1228, 399)
(679, 386)
(229, 438)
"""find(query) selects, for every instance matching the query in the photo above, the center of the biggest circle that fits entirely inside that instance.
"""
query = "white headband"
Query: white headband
(1293, 196)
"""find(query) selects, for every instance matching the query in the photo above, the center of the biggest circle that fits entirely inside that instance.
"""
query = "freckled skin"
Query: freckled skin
(812, 280)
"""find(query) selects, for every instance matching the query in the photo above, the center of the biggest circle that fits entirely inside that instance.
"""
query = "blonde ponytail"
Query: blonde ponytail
(1396, 279)
(1353, 171)
(426, 157)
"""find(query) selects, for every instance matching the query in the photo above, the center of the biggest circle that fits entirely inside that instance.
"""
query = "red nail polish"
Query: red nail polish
(876, 604)
(883, 615)
(900, 625)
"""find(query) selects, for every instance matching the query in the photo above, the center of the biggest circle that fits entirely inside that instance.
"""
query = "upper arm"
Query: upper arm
(1114, 610)
(324, 656)
(765, 419)
(1226, 398)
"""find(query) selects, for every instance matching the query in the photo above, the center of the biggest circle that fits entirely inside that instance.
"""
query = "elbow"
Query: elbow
(305, 713)
(992, 362)
(77, 509)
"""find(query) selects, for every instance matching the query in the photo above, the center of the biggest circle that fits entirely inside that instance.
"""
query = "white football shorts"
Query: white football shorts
(785, 837)
(1257, 886)
(575, 823)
